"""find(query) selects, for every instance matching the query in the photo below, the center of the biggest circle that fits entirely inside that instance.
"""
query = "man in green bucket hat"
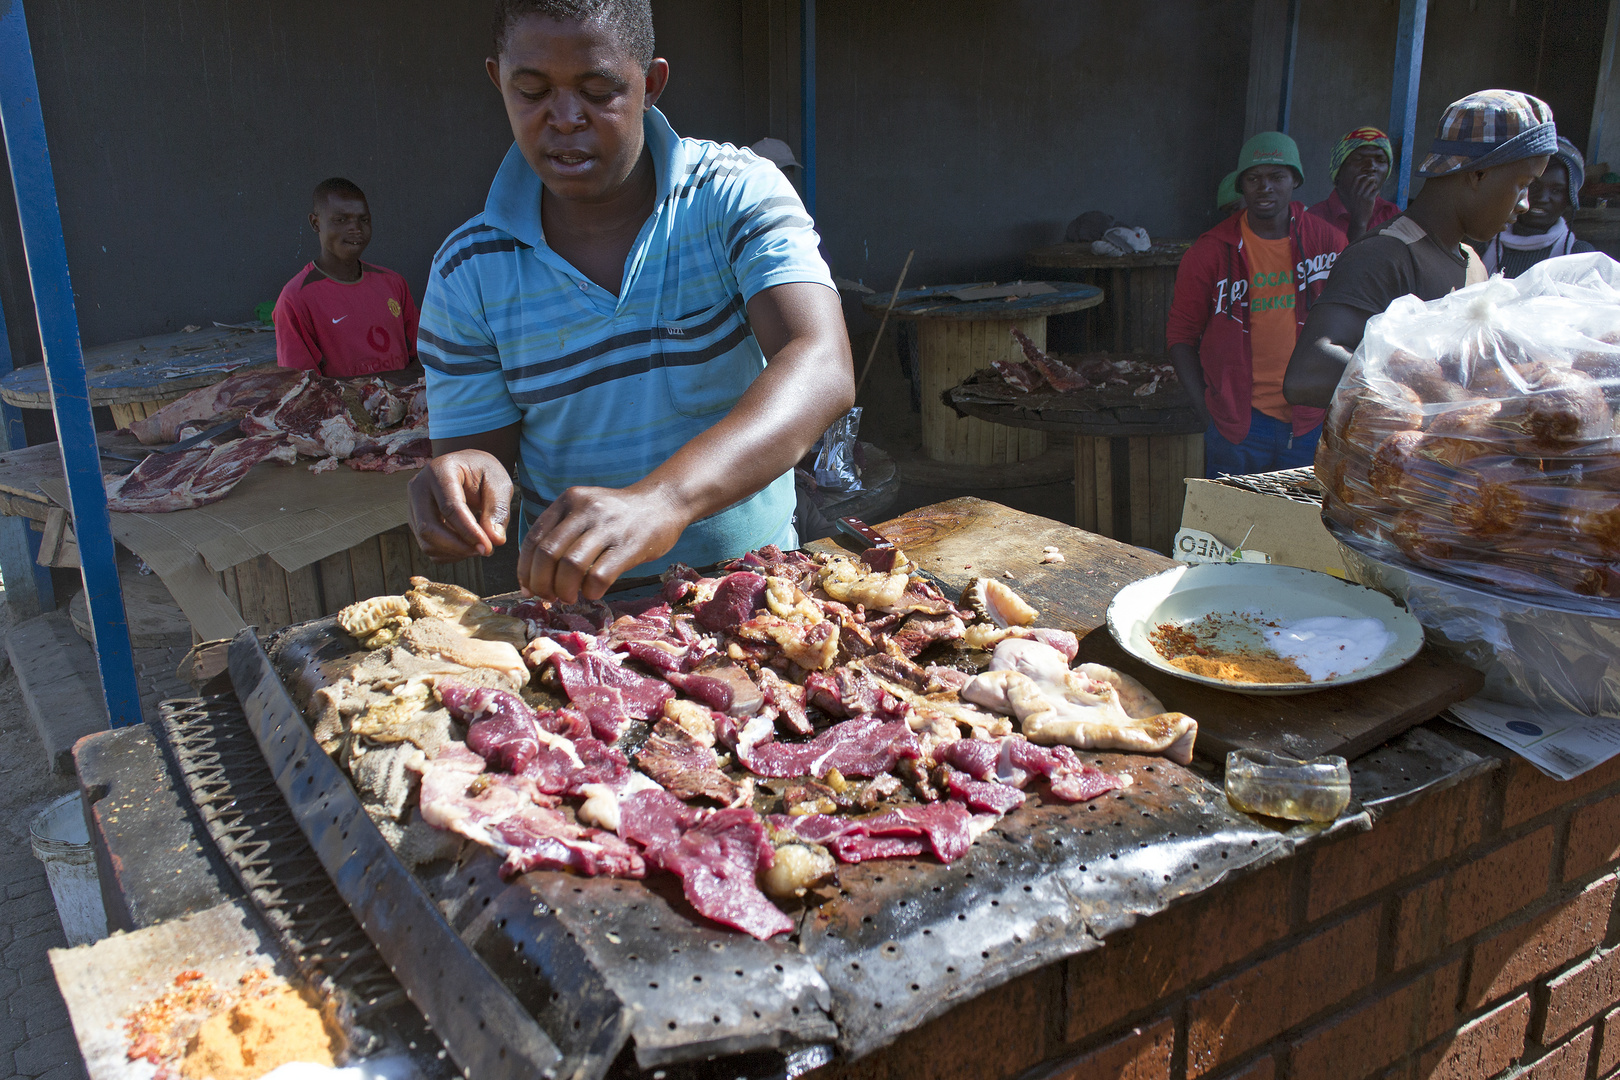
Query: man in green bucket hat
(1242, 292)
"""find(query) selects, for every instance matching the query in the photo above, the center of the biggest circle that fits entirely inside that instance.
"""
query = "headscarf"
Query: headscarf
(1355, 140)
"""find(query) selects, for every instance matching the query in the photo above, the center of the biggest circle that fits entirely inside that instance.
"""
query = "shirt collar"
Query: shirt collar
(513, 205)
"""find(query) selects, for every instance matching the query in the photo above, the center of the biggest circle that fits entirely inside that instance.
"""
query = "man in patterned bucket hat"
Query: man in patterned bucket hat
(1490, 147)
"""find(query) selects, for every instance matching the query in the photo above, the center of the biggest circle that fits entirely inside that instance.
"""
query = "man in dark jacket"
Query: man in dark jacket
(1242, 293)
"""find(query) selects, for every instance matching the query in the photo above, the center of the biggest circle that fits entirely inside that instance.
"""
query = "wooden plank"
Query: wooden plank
(337, 583)
(1168, 471)
(227, 585)
(274, 580)
(122, 414)
(304, 594)
(250, 595)
(1085, 483)
(396, 558)
(1075, 595)
(365, 558)
(1195, 454)
(1102, 461)
(1138, 455)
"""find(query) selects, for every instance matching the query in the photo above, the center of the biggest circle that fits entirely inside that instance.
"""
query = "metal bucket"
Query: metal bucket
(62, 842)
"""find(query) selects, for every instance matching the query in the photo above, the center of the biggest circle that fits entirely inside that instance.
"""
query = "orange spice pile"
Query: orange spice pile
(1242, 667)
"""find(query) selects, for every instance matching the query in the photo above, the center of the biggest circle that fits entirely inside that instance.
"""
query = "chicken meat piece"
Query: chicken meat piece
(853, 582)
(1055, 705)
(442, 639)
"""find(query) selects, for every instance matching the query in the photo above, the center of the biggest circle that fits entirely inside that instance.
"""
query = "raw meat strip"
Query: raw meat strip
(228, 399)
(191, 478)
(943, 826)
(716, 854)
(685, 766)
(1064, 379)
(501, 813)
(864, 746)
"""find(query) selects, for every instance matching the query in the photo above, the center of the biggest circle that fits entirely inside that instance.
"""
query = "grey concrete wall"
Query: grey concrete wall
(1345, 66)
(186, 136)
(973, 131)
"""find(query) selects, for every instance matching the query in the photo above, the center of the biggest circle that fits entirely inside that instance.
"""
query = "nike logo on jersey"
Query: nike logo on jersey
(338, 320)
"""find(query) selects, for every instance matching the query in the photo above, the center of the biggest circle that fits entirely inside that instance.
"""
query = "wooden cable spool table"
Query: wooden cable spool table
(955, 338)
(135, 378)
(1140, 286)
(1131, 454)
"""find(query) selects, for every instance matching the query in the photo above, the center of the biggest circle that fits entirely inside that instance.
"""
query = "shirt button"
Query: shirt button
(583, 287)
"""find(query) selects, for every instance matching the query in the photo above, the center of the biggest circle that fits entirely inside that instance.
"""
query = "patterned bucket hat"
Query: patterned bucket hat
(1490, 128)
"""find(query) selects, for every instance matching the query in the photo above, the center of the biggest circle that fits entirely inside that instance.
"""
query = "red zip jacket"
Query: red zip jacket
(1211, 311)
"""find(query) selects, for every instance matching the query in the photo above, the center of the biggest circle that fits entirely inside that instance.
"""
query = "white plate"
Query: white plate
(1280, 593)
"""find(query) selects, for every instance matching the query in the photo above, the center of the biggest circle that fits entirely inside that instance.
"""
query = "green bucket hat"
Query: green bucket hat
(1228, 191)
(1271, 148)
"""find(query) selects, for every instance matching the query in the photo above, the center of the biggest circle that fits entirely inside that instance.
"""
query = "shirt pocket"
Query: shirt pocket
(708, 358)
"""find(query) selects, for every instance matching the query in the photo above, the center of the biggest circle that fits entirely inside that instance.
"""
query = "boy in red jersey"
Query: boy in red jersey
(339, 316)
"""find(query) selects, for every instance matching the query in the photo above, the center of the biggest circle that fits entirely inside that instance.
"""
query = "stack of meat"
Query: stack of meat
(746, 732)
(1047, 374)
(1476, 436)
(367, 424)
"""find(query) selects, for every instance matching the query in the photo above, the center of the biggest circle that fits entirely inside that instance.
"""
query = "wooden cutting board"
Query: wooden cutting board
(960, 540)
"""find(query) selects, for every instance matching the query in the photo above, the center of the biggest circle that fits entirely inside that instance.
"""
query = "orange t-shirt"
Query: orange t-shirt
(1272, 329)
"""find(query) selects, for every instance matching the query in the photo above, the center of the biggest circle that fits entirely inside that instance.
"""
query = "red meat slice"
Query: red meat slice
(685, 766)
(228, 399)
(922, 630)
(845, 692)
(513, 738)
(1064, 379)
(723, 687)
(982, 795)
(716, 854)
(735, 600)
(1019, 376)
(1015, 759)
(501, 812)
(582, 676)
(788, 699)
(864, 746)
(192, 478)
(412, 455)
(943, 826)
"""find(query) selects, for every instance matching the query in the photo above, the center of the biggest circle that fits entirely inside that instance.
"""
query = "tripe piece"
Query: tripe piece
(1081, 709)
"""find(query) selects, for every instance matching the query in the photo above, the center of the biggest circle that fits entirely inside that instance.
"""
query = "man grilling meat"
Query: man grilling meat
(642, 323)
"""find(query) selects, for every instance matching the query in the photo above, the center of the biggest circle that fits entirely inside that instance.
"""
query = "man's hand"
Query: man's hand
(459, 505)
(1361, 202)
(590, 536)
(1190, 370)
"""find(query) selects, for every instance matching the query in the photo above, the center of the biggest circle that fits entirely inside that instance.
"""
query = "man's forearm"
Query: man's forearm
(1190, 370)
(1314, 372)
(804, 388)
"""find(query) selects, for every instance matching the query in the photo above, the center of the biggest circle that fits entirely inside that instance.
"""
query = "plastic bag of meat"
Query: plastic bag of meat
(1475, 435)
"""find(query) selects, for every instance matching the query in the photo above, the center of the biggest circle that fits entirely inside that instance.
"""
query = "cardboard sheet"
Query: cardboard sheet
(104, 982)
(284, 511)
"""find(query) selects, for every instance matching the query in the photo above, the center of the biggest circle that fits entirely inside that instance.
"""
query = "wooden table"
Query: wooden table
(1140, 287)
(955, 338)
(135, 378)
(959, 540)
(1131, 453)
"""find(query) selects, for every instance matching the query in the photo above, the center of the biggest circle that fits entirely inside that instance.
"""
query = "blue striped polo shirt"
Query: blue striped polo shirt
(609, 387)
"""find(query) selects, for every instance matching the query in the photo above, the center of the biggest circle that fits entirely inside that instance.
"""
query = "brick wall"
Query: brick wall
(1471, 935)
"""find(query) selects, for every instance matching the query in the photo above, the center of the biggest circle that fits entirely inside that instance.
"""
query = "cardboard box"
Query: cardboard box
(1290, 532)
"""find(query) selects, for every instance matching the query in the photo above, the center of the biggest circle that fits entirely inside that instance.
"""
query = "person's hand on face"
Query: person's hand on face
(1361, 177)
(459, 504)
(588, 538)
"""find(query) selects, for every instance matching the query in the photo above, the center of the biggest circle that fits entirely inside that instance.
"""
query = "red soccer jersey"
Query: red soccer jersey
(342, 330)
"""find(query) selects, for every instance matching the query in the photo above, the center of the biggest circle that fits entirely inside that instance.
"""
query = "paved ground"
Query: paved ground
(35, 1038)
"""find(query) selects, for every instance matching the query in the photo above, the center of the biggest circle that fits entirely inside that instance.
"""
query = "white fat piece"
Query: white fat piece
(1032, 681)
(601, 805)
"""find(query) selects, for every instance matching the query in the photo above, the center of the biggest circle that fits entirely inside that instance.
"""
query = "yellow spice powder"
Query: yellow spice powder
(1242, 667)
(260, 1034)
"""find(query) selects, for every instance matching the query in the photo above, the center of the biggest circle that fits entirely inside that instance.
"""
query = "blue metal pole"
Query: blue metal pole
(28, 585)
(1290, 47)
(46, 251)
(807, 95)
(1403, 98)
